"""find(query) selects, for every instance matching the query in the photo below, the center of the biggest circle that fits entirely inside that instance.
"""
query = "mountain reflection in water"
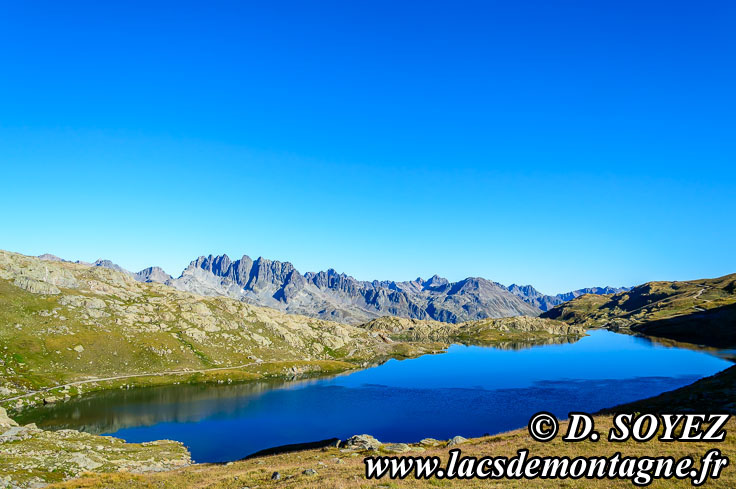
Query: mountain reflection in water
(468, 391)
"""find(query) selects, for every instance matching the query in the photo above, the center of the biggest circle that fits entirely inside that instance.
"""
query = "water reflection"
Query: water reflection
(110, 411)
(467, 391)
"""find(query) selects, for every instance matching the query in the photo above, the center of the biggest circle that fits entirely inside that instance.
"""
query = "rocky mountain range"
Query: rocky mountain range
(546, 302)
(340, 297)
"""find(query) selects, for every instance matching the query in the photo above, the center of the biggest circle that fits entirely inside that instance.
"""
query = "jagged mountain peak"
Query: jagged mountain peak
(49, 257)
(334, 295)
(152, 274)
(109, 264)
(338, 296)
(434, 281)
(546, 302)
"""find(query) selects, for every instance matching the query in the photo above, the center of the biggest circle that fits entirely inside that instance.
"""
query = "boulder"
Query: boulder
(457, 440)
(396, 447)
(5, 420)
(362, 442)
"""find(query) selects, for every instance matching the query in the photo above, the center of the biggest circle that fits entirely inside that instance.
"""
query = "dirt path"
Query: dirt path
(119, 377)
(700, 292)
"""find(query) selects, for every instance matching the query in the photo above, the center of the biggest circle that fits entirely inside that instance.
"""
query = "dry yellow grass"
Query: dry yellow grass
(256, 473)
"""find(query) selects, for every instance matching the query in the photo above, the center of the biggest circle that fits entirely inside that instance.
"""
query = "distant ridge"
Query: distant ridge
(546, 302)
(152, 274)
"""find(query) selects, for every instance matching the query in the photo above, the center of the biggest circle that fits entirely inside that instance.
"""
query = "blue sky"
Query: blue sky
(563, 144)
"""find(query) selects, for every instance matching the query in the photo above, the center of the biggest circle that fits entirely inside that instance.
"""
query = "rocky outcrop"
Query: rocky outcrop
(456, 440)
(30, 457)
(361, 442)
(490, 329)
(5, 421)
(36, 286)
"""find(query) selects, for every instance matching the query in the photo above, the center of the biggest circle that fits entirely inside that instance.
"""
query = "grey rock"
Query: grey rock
(5, 420)
(456, 440)
(36, 286)
(152, 274)
(362, 442)
(396, 447)
(430, 442)
(310, 472)
(275, 476)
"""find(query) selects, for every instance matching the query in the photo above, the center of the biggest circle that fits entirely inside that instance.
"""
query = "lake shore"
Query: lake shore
(285, 462)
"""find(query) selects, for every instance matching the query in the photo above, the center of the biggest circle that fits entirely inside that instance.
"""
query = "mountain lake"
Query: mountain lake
(468, 391)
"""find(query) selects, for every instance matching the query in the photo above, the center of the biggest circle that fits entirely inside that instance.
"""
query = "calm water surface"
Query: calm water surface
(467, 391)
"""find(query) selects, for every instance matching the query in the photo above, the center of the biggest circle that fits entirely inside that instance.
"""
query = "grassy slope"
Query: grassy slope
(152, 328)
(104, 324)
(350, 473)
(697, 311)
(64, 323)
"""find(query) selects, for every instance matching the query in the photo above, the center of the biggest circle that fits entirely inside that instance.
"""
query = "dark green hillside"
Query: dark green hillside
(697, 311)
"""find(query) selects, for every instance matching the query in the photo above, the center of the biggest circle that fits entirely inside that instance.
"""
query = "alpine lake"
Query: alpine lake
(468, 391)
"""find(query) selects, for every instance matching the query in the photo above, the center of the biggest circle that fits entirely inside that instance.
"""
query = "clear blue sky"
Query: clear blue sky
(558, 143)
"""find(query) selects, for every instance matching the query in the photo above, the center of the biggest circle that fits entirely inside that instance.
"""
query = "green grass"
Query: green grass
(152, 329)
(698, 311)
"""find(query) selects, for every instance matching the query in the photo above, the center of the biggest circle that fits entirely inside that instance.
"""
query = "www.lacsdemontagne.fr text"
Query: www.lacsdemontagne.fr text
(641, 470)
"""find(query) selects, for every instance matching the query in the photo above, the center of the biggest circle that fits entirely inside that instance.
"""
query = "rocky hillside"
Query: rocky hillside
(697, 311)
(514, 330)
(80, 327)
(30, 457)
(67, 328)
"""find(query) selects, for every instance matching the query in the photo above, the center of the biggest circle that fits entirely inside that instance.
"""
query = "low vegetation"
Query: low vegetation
(30, 457)
(67, 329)
(698, 311)
(509, 332)
(335, 468)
